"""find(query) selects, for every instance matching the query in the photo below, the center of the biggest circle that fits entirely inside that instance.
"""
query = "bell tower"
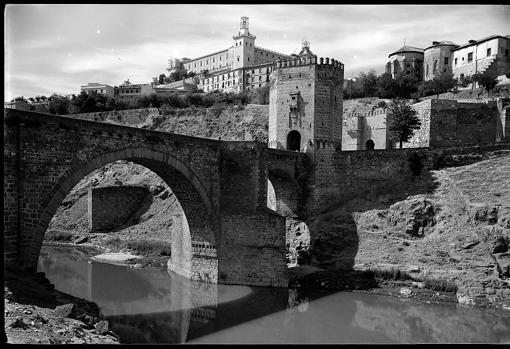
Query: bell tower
(244, 46)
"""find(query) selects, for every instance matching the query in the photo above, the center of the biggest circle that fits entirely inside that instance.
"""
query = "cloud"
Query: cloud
(59, 48)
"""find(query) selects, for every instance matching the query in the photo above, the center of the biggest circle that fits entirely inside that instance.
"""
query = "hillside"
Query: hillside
(458, 231)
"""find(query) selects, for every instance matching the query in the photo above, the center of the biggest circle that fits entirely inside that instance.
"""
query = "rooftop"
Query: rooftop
(476, 42)
(441, 43)
(406, 48)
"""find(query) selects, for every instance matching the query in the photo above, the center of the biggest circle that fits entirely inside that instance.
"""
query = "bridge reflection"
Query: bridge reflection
(156, 305)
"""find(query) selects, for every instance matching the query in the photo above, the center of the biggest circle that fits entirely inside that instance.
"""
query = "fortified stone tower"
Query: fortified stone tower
(438, 59)
(243, 51)
(305, 102)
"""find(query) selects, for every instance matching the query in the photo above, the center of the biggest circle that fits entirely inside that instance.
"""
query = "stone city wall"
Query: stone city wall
(449, 122)
(340, 176)
(358, 128)
(111, 207)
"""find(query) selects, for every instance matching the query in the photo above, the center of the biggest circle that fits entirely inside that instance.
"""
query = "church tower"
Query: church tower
(243, 50)
(306, 102)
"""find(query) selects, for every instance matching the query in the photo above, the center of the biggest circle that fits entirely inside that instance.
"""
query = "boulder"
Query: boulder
(405, 292)
(101, 327)
(470, 244)
(65, 310)
(81, 240)
(499, 244)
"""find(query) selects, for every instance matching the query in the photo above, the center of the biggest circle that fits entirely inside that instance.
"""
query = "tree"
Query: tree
(405, 85)
(402, 121)
(59, 104)
(368, 83)
(441, 84)
(487, 80)
(465, 81)
(386, 86)
(161, 79)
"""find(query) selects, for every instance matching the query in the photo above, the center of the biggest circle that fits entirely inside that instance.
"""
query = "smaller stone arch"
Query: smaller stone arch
(294, 141)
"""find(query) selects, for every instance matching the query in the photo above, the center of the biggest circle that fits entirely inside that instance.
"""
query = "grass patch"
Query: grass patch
(391, 274)
(142, 247)
(59, 236)
(396, 274)
(440, 285)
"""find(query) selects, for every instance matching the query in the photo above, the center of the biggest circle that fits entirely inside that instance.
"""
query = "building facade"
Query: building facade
(306, 103)
(104, 89)
(438, 59)
(490, 54)
(128, 91)
(407, 61)
(242, 66)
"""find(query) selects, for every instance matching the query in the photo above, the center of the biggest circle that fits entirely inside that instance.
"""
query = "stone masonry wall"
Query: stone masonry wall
(454, 123)
(111, 207)
(256, 257)
(421, 137)
(328, 103)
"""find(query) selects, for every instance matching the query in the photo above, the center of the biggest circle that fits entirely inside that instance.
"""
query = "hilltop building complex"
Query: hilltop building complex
(477, 56)
(242, 66)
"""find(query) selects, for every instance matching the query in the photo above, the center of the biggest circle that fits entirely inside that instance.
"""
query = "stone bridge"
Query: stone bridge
(234, 238)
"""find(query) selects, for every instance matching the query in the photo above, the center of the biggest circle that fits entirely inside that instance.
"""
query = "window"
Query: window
(488, 52)
(470, 57)
(248, 59)
(427, 69)
(506, 52)
(446, 60)
(408, 72)
(456, 61)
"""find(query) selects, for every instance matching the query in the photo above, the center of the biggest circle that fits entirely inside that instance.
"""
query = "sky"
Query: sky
(58, 48)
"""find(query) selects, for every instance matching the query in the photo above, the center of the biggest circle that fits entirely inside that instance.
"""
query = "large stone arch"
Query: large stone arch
(195, 255)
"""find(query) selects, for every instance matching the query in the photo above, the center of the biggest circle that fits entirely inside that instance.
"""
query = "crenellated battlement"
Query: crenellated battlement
(374, 112)
(303, 61)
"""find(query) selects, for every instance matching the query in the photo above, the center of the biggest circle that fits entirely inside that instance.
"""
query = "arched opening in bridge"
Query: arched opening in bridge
(294, 141)
(171, 221)
(369, 145)
(283, 198)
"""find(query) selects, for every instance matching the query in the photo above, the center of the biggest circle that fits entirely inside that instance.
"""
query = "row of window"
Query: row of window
(240, 44)
(130, 91)
(470, 56)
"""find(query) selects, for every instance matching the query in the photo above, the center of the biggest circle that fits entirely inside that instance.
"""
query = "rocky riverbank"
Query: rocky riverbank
(36, 313)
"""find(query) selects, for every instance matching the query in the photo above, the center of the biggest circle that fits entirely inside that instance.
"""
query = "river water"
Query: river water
(157, 306)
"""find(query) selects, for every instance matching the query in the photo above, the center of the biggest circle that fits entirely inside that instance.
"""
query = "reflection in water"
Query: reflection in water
(156, 306)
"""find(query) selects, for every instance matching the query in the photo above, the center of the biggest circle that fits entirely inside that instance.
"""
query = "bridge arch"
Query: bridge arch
(188, 251)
